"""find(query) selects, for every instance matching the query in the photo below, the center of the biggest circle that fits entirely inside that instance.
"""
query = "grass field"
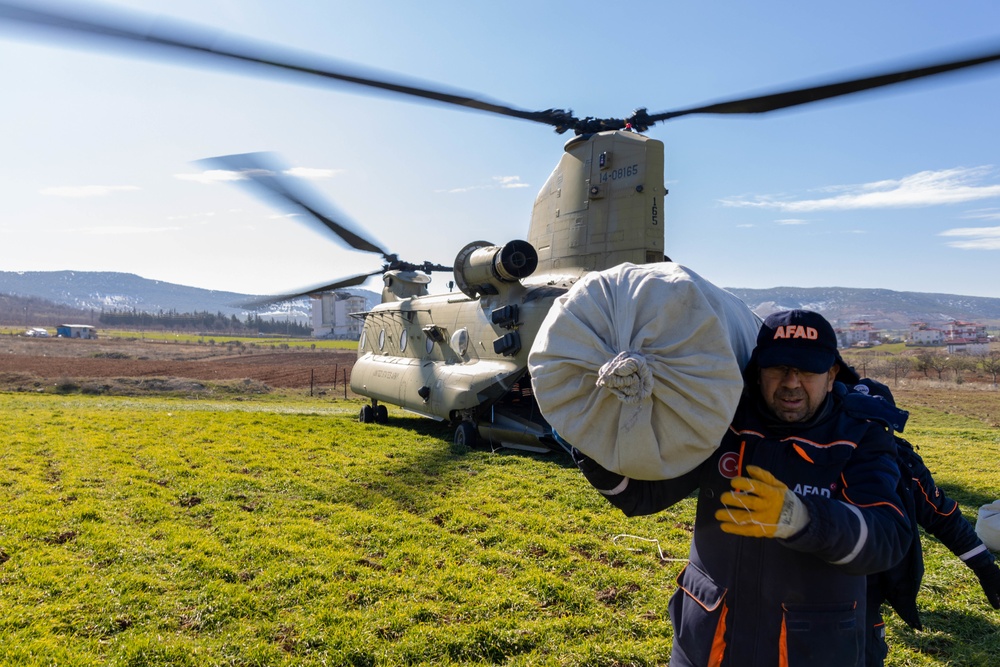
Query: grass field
(211, 339)
(279, 531)
(223, 339)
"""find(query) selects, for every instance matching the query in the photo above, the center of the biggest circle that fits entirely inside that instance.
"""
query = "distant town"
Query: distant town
(959, 337)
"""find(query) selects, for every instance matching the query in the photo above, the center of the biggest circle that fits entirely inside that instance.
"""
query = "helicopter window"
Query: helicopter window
(460, 341)
(429, 344)
(402, 341)
(381, 339)
(363, 340)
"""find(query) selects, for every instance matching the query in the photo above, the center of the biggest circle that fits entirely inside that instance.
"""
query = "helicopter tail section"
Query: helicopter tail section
(602, 205)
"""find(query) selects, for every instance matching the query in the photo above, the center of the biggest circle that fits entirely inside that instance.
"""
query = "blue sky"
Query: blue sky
(897, 189)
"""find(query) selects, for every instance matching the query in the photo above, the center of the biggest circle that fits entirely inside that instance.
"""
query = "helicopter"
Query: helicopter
(461, 357)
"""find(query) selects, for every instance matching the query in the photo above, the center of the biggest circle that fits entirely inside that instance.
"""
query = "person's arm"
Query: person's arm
(941, 517)
(635, 497)
(866, 530)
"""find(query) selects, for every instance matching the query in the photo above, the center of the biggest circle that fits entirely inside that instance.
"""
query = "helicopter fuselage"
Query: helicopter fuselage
(462, 357)
(452, 357)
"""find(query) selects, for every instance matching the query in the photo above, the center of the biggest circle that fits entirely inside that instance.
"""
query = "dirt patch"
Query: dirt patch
(32, 364)
(979, 401)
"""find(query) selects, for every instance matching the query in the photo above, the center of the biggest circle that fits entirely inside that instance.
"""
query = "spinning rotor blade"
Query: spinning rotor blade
(353, 281)
(264, 174)
(791, 98)
(158, 35)
(173, 37)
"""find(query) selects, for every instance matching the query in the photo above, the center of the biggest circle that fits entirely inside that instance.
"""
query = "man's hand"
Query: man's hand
(761, 506)
(989, 578)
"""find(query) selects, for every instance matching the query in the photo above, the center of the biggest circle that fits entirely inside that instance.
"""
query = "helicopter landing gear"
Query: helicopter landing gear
(374, 414)
(367, 415)
(467, 435)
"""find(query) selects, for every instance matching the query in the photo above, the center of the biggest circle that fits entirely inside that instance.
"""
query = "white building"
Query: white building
(76, 331)
(967, 346)
(966, 338)
(921, 334)
(860, 333)
(332, 315)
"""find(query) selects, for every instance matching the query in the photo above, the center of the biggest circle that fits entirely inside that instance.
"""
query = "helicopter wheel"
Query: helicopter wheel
(381, 414)
(367, 415)
(467, 435)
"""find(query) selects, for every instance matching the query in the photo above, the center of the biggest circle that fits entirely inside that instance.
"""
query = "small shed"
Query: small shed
(76, 331)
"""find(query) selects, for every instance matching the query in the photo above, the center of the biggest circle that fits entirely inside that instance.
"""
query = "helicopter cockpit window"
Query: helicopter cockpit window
(363, 340)
(428, 344)
(402, 341)
(381, 339)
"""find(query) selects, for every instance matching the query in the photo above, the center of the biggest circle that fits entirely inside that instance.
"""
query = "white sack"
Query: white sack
(639, 367)
(988, 525)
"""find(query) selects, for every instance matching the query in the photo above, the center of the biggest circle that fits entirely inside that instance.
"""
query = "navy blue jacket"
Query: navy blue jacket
(801, 601)
(928, 507)
(940, 516)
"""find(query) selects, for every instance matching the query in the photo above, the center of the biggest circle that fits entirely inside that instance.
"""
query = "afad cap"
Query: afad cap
(800, 339)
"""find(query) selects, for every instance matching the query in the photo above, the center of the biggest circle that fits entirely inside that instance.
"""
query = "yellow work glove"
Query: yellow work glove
(761, 506)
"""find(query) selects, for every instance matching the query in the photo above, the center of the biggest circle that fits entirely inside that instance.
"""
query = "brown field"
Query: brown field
(980, 401)
(134, 366)
(123, 366)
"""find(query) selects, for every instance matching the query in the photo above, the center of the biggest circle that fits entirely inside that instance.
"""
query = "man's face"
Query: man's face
(792, 394)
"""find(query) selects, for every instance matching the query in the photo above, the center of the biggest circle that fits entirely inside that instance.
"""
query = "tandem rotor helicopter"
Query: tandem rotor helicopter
(461, 356)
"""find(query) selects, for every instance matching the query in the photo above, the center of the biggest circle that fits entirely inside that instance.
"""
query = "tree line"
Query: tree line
(931, 364)
(201, 321)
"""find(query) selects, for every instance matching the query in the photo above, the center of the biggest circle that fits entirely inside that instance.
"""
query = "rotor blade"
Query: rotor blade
(263, 173)
(791, 98)
(278, 298)
(159, 35)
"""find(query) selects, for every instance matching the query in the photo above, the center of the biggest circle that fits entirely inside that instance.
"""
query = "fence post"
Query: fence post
(345, 384)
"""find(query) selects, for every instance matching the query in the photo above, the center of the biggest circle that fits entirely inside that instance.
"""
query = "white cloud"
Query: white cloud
(86, 190)
(190, 216)
(313, 174)
(506, 182)
(926, 188)
(211, 176)
(975, 238)
(792, 221)
(983, 214)
(119, 230)
(502, 182)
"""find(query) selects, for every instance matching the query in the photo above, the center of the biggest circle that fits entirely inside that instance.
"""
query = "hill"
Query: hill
(33, 311)
(885, 309)
(87, 292)
(94, 291)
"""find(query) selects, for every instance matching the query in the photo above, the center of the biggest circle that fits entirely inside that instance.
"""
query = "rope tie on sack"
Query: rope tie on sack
(627, 376)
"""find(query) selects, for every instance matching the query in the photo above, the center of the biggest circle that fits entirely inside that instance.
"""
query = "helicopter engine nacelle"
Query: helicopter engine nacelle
(483, 268)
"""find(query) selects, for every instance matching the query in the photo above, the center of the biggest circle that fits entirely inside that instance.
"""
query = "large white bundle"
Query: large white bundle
(988, 525)
(640, 367)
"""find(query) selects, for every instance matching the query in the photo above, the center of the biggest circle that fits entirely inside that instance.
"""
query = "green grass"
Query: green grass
(151, 531)
(211, 339)
(223, 339)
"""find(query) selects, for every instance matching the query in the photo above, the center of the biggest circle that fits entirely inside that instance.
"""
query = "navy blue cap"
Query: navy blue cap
(800, 339)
